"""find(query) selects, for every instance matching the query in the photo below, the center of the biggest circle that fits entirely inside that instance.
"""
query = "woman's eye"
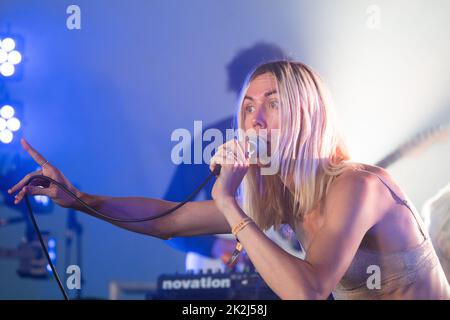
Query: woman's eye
(274, 104)
(249, 108)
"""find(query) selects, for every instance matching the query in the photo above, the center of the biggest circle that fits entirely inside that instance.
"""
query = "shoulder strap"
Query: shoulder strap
(398, 199)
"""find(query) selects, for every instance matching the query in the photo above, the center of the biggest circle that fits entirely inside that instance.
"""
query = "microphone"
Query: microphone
(257, 146)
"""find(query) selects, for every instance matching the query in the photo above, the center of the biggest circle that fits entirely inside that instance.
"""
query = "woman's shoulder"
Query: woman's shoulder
(357, 193)
(361, 182)
(360, 174)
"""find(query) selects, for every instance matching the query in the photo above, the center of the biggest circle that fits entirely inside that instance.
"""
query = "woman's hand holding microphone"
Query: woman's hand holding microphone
(234, 161)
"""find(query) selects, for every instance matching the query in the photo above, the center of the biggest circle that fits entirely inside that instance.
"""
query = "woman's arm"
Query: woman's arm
(194, 218)
(348, 216)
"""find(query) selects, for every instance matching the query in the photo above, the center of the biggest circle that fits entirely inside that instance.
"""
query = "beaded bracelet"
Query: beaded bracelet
(241, 225)
(235, 230)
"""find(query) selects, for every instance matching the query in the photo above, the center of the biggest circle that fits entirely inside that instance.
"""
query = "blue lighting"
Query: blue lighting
(9, 124)
(51, 247)
(14, 57)
(3, 56)
(40, 199)
(8, 44)
(13, 124)
(7, 112)
(7, 69)
(51, 243)
(9, 57)
(6, 136)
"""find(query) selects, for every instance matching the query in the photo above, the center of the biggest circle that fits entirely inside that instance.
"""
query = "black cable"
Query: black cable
(38, 232)
(80, 265)
(84, 204)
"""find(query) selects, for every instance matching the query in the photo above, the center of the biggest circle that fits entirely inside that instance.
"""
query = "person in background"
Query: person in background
(436, 214)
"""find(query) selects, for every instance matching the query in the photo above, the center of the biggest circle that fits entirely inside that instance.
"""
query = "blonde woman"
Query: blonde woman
(350, 218)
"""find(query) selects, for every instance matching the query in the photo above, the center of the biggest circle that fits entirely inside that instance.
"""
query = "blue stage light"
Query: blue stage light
(8, 44)
(8, 123)
(42, 200)
(7, 112)
(51, 243)
(6, 136)
(3, 56)
(9, 57)
(2, 124)
(13, 124)
(14, 57)
(51, 248)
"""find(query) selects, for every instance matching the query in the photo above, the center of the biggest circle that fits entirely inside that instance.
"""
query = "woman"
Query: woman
(350, 218)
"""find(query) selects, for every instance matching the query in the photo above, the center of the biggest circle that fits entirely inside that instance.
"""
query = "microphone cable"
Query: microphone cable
(215, 172)
(41, 241)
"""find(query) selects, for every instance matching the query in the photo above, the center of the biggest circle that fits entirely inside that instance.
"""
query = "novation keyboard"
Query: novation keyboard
(212, 286)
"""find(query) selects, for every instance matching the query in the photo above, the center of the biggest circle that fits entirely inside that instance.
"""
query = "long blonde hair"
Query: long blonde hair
(309, 152)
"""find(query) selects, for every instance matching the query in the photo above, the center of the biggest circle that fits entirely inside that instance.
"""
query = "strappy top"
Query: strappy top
(401, 273)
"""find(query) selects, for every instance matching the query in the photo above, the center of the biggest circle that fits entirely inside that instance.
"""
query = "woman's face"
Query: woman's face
(261, 103)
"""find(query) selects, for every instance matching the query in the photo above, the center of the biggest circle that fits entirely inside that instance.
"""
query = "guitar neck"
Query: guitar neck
(420, 141)
(389, 160)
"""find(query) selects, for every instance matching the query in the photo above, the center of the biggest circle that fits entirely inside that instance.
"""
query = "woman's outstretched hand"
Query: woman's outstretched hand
(41, 186)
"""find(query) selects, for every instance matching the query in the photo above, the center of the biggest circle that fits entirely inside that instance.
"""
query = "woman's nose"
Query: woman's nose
(260, 119)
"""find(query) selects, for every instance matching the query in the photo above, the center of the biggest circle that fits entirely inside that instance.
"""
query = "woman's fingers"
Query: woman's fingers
(231, 152)
(236, 148)
(222, 157)
(31, 190)
(22, 182)
(40, 160)
(241, 153)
